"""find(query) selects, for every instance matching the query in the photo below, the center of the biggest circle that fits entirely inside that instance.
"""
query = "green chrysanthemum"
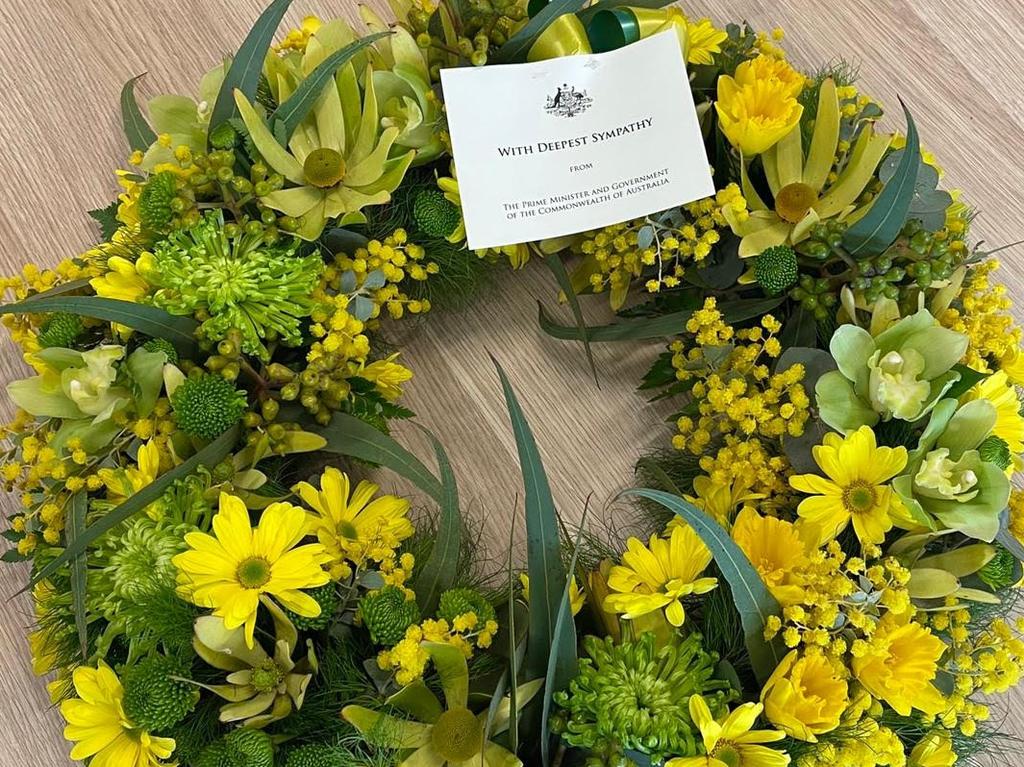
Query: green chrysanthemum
(636, 697)
(156, 211)
(387, 613)
(60, 330)
(232, 277)
(1001, 570)
(206, 406)
(776, 269)
(456, 602)
(223, 136)
(153, 699)
(314, 755)
(995, 450)
(162, 345)
(240, 748)
(435, 215)
(327, 597)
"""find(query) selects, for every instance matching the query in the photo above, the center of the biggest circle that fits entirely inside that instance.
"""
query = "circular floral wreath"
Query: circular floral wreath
(829, 550)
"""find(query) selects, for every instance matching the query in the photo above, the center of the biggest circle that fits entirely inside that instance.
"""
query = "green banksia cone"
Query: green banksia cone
(153, 699)
(435, 215)
(387, 614)
(776, 269)
(223, 136)
(162, 345)
(327, 597)
(207, 405)
(60, 330)
(1001, 571)
(995, 450)
(456, 602)
(155, 202)
(314, 755)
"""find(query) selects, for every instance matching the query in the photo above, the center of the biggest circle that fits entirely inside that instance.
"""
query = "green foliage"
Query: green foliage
(156, 200)
(438, 571)
(456, 602)
(240, 748)
(107, 219)
(1002, 570)
(153, 699)
(224, 136)
(776, 269)
(387, 613)
(327, 597)
(136, 129)
(162, 619)
(435, 214)
(207, 405)
(314, 755)
(995, 450)
(162, 345)
(60, 330)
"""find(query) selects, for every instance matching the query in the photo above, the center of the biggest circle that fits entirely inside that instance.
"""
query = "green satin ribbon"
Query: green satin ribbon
(609, 29)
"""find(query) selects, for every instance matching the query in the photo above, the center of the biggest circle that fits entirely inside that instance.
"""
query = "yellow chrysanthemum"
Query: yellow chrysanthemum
(855, 489)
(705, 41)
(99, 728)
(805, 695)
(124, 482)
(354, 526)
(898, 664)
(933, 750)
(231, 570)
(732, 742)
(660, 575)
(998, 390)
(776, 551)
(758, 106)
(121, 281)
(387, 376)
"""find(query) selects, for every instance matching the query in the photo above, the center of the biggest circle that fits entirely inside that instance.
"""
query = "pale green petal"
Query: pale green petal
(275, 155)
(860, 169)
(294, 202)
(789, 158)
(969, 426)
(839, 406)
(825, 138)
(418, 701)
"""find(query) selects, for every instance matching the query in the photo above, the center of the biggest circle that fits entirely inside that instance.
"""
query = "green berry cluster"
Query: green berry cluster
(387, 613)
(456, 602)
(816, 296)
(154, 699)
(824, 240)
(205, 406)
(60, 330)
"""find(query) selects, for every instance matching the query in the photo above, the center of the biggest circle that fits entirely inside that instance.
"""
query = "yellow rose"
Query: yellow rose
(805, 696)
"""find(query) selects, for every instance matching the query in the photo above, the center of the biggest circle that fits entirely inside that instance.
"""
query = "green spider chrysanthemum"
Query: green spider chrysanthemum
(327, 597)
(434, 214)
(456, 602)
(776, 269)
(387, 613)
(60, 330)
(1001, 571)
(153, 698)
(156, 211)
(636, 697)
(162, 345)
(206, 406)
(240, 748)
(232, 278)
(314, 755)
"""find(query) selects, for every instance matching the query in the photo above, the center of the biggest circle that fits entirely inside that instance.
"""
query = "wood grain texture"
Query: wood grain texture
(62, 63)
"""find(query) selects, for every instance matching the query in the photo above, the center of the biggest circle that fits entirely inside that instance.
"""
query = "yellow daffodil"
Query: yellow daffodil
(99, 728)
(933, 750)
(804, 193)
(660, 575)
(576, 596)
(998, 390)
(758, 106)
(228, 571)
(776, 551)
(121, 281)
(354, 526)
(731, 742)
(899, 663)
(855, 487)
(805, 696)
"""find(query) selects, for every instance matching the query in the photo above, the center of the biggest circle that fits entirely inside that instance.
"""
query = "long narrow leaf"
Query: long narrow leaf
(752, 599)
(649, 328)
(209, 456)
(244, 72)
(347, 435)
(883, 222)
(136, 129)
(150, 320)
(74, 529)
(439, 571)
(59, 290)
(554, 262)
(519, 44)
(544, 559)
(294, 110)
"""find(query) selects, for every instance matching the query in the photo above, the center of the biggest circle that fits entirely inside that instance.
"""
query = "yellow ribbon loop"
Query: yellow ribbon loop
(565, 36)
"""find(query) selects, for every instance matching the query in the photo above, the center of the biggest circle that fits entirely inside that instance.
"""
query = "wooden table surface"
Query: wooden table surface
(62, 63)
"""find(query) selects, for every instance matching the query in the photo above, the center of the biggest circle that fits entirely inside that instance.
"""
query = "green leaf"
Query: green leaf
(554, 263)
(649, 328)
(64, 287)
(246, 67)
(753, 601)
(439, 571)
(519, 44)
(544, 557)
(347, 435)
(107, 219)
(969, 377)
(883, 222)
(294, 110)
(75, 527)
(136, 129)
(150, 320)
(209, 456)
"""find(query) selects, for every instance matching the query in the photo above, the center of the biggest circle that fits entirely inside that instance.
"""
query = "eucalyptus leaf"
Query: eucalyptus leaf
(519, 44)
(361, 308)
(439, 570)
(136, 129)
(557, 267)
(59, 290)
(75, 527)
(345, 241)
(816, 363)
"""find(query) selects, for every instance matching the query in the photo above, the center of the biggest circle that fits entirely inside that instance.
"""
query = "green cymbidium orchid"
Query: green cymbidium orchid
(185, 120)
(900, 373)
(802, 195)
(261, 689)
(947, 485)
(442, 734)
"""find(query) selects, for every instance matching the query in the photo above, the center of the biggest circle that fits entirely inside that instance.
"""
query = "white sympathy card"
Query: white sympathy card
(562, 146)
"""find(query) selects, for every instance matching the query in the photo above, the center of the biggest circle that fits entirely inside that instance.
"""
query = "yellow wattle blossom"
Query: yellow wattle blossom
(758, 106)
(1016, 510)
(233, 569)
(806, 695)
(899, 663)
(732, 742)
(660, 575)
(99, 728)
(854, 489)
(933, 750)
(776, 550)
(982, 311)
(998, 390)
(297, 39)
(354, 526)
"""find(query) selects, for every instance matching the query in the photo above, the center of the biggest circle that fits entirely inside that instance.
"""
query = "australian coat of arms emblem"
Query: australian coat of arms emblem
(568, 102)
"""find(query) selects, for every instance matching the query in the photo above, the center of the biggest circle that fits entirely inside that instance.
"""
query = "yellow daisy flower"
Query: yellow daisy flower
(731, 742)
(354, 526)
(231, 570)
(99, 728)
(660, 575)
(856, 488)
(705, 40)
(998, 390)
